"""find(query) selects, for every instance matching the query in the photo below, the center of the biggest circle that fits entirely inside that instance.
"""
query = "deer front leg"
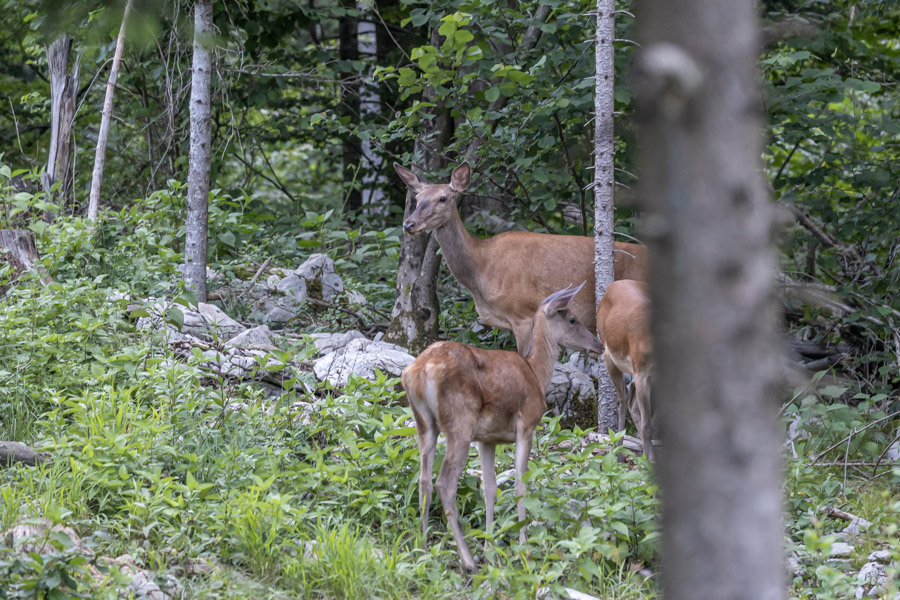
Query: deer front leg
(447, 483)
(489, 483)
(524, 438)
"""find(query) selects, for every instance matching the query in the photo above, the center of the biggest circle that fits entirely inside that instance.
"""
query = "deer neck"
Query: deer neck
(461, 252)
(543, 355)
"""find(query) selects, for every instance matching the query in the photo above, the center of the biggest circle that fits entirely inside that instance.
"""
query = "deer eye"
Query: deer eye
(572, 320)
(443, 198)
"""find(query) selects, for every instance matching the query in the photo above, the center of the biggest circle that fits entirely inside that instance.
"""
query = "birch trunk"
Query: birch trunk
(349, 107)
(373, 200)
(196, 227)
(63, 89)
(604, 181)
(100, 156)
(714, 329)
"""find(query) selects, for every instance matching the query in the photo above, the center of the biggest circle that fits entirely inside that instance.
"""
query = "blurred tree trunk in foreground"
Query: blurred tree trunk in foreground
(708, 222)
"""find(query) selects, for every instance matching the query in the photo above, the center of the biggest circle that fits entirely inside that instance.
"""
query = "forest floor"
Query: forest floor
(167, 479)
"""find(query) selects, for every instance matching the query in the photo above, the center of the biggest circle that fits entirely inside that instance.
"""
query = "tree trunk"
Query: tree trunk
(373, 200)
(11, 452)
(100, 156)
(604, 182)
(63, 89)
(349, 107)
(713, 325)
(414, 319)
(17, 248)
(196, 227)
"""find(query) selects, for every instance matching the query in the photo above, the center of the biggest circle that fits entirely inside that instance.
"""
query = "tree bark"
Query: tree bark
(372, 198)
(100, 156)
(714, 328)
(414, 318)
(63, 89)
(604, 182)
(196, 227)
(11, 452)
(18, 249)
(349, 107)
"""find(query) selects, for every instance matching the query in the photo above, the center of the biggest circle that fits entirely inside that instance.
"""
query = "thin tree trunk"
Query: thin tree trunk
(100, 156)
(198, 170)
(63, 89)
(713, 325)
(349, 107)
(17, 248)
(604, 158)
(373, 200)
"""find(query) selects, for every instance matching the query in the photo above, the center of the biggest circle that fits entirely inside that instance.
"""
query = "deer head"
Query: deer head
(556, 323)
(437, 203)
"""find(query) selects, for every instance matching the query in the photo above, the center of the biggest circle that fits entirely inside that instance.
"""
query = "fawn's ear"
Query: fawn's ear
(411, 180)
(459, 180)
(560, 300)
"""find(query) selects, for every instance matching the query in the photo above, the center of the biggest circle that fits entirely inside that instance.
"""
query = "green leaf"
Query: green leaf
(491, 94)
(175, 317)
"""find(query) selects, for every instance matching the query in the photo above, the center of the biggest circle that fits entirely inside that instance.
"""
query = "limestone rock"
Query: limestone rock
(361, 357)
(573, 395)
(326, 343)
(254, 337)
(841, 550)
(321, 280)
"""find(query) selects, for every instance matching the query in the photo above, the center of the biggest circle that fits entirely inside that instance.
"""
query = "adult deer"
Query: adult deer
(490, 397)
(509, 274)
(623, 324)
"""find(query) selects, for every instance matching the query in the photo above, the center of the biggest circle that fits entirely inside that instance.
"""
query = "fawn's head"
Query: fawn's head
(554, 319)
(436, 203)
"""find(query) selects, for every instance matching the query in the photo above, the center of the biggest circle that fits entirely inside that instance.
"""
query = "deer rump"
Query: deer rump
(485, 400)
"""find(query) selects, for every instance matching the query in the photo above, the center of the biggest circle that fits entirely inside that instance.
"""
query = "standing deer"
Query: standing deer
(490, 397)
(623, 324)
(509, 274)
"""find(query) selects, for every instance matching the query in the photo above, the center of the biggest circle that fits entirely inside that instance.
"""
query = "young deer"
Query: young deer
(623, 324)
(509, 274)
(491, 397)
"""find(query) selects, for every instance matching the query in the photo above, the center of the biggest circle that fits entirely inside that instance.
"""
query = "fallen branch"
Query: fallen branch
(11, 452)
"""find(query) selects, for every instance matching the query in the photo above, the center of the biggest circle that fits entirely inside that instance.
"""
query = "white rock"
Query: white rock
(361, 357)
(255, 336)
(206, 322)
(576, 595)
(278, 315)
(893, 452)
(840, 550)
(294, 288)
(572, 394)
(319, 266)
(326, 343)
(354, 297)
(882, 556)
(856, 526)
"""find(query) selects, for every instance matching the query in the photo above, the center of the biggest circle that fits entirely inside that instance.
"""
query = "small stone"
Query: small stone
(856, 526)
(278, 315)
(572, 394)
(294, 288)
(361, 357)
(256, 336)
(327, 343)
(881, 556)
(840, 550)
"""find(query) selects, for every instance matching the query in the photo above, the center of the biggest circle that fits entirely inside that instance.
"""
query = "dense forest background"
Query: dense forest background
(311, 105)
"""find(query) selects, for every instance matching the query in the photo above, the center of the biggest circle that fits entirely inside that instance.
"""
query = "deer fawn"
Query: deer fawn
(491, 397)
(509, 274)
(623, 324)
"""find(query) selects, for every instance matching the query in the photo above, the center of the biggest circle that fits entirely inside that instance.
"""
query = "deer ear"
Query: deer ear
(459, 180)
(560, 300)
(411, 180)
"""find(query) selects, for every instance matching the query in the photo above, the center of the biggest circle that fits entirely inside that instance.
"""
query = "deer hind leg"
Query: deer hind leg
(427, 441)
(447, 484)
(524, 439)
(642, 402)
(618, 379)
(489, 479)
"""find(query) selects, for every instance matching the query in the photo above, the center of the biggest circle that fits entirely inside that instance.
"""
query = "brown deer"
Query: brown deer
(490, 397)
(623, 324)
(509, 274)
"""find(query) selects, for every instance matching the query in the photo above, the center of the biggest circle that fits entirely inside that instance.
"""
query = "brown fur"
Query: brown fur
(623, 324)
(490, 397)
(509, 274)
